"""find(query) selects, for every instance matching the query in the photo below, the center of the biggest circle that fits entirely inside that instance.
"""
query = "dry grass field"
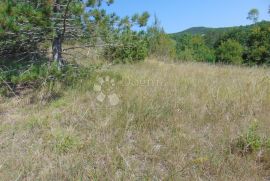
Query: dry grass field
(148, 121)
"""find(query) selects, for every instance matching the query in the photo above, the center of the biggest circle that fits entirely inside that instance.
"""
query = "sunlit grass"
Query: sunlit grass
(173, 122)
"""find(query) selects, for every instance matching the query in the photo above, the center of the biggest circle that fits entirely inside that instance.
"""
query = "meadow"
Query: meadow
(144, 121)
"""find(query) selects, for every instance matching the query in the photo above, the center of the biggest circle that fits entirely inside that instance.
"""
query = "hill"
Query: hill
(202, 30)
(208, 30)
(212, 35)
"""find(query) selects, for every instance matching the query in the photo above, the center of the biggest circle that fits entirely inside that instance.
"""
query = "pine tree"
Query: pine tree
(253, 15)
(25, 24)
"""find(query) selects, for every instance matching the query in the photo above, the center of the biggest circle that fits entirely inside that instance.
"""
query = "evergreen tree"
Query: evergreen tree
(253, 15)
(25, 24)
(160, 44)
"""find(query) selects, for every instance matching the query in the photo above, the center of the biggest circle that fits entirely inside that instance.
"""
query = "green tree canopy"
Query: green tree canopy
(160, 45)
(26, 24)
(230, 51)
(253, 15)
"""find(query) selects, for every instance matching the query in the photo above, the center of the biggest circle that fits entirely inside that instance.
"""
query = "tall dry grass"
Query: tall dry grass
(173, 122)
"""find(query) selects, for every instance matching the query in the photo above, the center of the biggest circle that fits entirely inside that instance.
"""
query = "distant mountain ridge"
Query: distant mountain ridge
(203, 30)
(213, 34)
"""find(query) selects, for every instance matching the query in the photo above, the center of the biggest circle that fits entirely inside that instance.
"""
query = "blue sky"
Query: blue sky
(177, 15)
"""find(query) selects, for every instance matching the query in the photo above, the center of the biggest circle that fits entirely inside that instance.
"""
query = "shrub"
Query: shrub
(200, 54)
(251, 141)
(204, 54)
(160, 45)
(252, 137)
(131, 47)
(230, 51)
(165, 48)
(186, 55)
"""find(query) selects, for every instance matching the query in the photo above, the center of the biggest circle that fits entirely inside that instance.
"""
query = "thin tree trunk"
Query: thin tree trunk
(57, 40)
(57, 51)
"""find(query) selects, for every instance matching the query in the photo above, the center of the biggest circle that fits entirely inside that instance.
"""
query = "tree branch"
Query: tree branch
(65, 17)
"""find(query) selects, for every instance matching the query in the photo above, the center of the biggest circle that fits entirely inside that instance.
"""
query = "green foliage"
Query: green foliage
(254, 40)
(204, 54)
(35, 75)
(26, 27)
(240, 34)
(64, 141)
(160, 44)
(165, 47)
(193, 48)
(126, 45)
(141, 20)
(268, 144)
(258, 45)
(186, 55)
(252, 137)
(23, 25)
(201, 51)
(131, 47)
(36, 123)
(27, 24)
(252, 141)
(230, 51)
(253, 15)
(200, 31)
(14, 14)
(211, 35)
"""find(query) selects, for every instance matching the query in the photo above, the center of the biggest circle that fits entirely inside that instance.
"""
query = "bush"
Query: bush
(230, 51)
(165, 47)
(131, 47)
(186, 55)
(204, 54)
(251, 141)
(200, 54)
(160, 45)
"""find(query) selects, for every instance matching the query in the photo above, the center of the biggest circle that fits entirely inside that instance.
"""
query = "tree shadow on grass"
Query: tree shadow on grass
(14, 71)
